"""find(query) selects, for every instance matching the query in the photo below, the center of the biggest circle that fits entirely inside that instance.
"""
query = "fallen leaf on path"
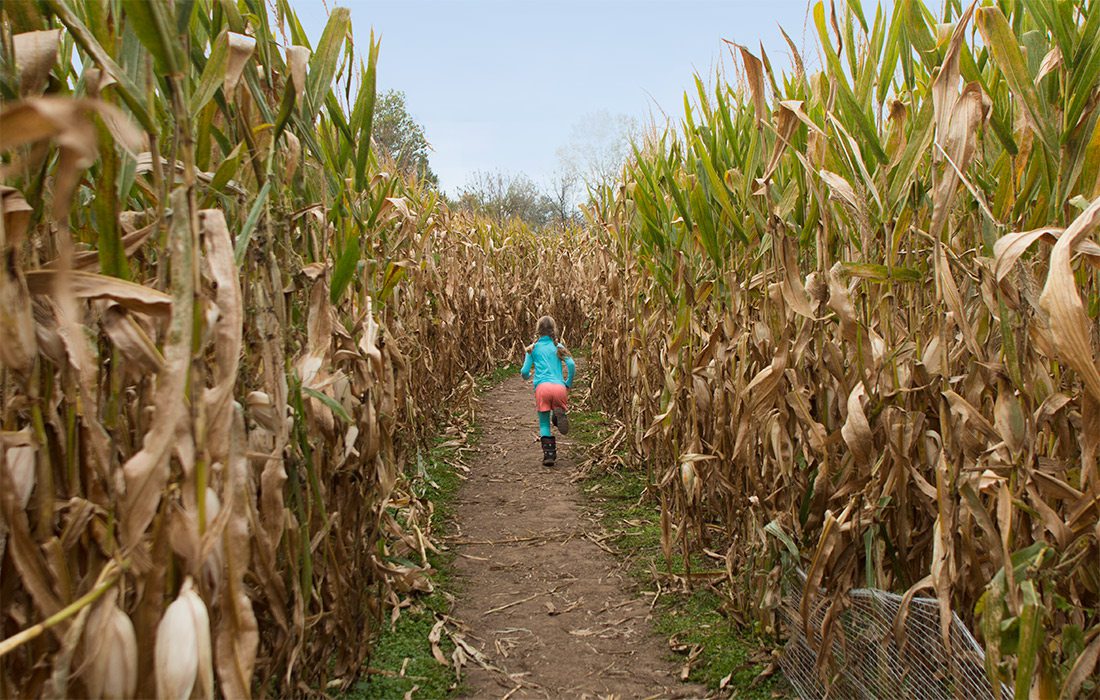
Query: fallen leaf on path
(512, 604)
(433, 638)
(685, 671)
(552, 611)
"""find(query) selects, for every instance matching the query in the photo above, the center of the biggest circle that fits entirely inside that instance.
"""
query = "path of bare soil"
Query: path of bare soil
(551, 611)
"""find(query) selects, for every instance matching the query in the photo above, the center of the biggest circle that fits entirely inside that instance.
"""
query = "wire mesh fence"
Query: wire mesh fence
(866, 658)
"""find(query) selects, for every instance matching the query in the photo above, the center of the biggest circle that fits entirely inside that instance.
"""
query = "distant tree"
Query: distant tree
(565, 188)
(598, 146)
(502, 196)
(401, 137)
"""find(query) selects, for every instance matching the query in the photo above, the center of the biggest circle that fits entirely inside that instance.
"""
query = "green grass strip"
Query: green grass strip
(402, 660)
(686, 619)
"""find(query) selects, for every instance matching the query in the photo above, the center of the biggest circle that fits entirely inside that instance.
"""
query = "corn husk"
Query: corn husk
(184, 667)
(110, 651)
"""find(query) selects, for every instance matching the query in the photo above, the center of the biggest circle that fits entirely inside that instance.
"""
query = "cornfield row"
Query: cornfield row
(851, 325)
(226, 329)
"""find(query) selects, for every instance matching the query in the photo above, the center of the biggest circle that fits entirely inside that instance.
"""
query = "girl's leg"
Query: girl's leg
(560, 418)
(549, 449)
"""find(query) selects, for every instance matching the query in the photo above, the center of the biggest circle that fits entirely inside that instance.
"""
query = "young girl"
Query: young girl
(544, 357)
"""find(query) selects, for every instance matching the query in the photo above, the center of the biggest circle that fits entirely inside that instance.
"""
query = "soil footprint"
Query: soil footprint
(552, 613)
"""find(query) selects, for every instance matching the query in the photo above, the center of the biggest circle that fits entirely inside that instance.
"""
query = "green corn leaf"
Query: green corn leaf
(990, 611)
(920, 139)
(364, 102)
(856, 6)
(719, 191)
(1005, 49)
(213, 73)
(367, 92)
(227, 169)
(333, 405)
(848, 103)
(378, 200)
(1052, 19)
(185, 11)
(1086, 165)
(322, 65)
(1079, 143)
(347, 262)
(868, 69)
(918, 31)
(259, 96)
(336, 113)
(706, 230)
(286, 111)
(1030, 642)
(297, 33)
(677, 193)
(151, 20)
(1084, 69)
(850, 48)
(395, 272)
(774, 529)
(232, 15)
(245, 235)
(893, 43)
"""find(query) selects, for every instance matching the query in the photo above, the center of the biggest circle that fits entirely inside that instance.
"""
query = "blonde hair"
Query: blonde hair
(547, 326)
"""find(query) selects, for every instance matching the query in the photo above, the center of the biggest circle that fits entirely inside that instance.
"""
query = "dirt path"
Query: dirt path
(545, 604)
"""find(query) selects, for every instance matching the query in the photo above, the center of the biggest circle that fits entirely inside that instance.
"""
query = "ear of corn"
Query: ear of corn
(183, 657)
(111, 652)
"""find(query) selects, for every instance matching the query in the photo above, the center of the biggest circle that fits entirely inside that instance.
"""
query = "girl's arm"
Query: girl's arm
(527, 362)
(567, 357)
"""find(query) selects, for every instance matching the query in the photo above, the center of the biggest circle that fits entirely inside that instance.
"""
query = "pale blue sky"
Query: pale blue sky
(498, 85)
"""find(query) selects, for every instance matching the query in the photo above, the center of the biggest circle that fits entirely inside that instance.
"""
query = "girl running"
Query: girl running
(544, 358)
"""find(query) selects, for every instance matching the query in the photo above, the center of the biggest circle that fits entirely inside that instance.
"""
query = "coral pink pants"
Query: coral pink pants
(550, 395)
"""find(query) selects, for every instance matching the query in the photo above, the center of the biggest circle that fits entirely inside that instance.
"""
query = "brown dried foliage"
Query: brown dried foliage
(833, 349)
(222, 343)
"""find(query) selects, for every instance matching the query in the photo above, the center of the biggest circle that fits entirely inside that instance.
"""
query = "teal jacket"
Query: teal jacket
(544, 360)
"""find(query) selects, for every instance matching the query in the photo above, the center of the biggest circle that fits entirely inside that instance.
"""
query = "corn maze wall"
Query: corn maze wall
(851, 326)
(226, 326)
